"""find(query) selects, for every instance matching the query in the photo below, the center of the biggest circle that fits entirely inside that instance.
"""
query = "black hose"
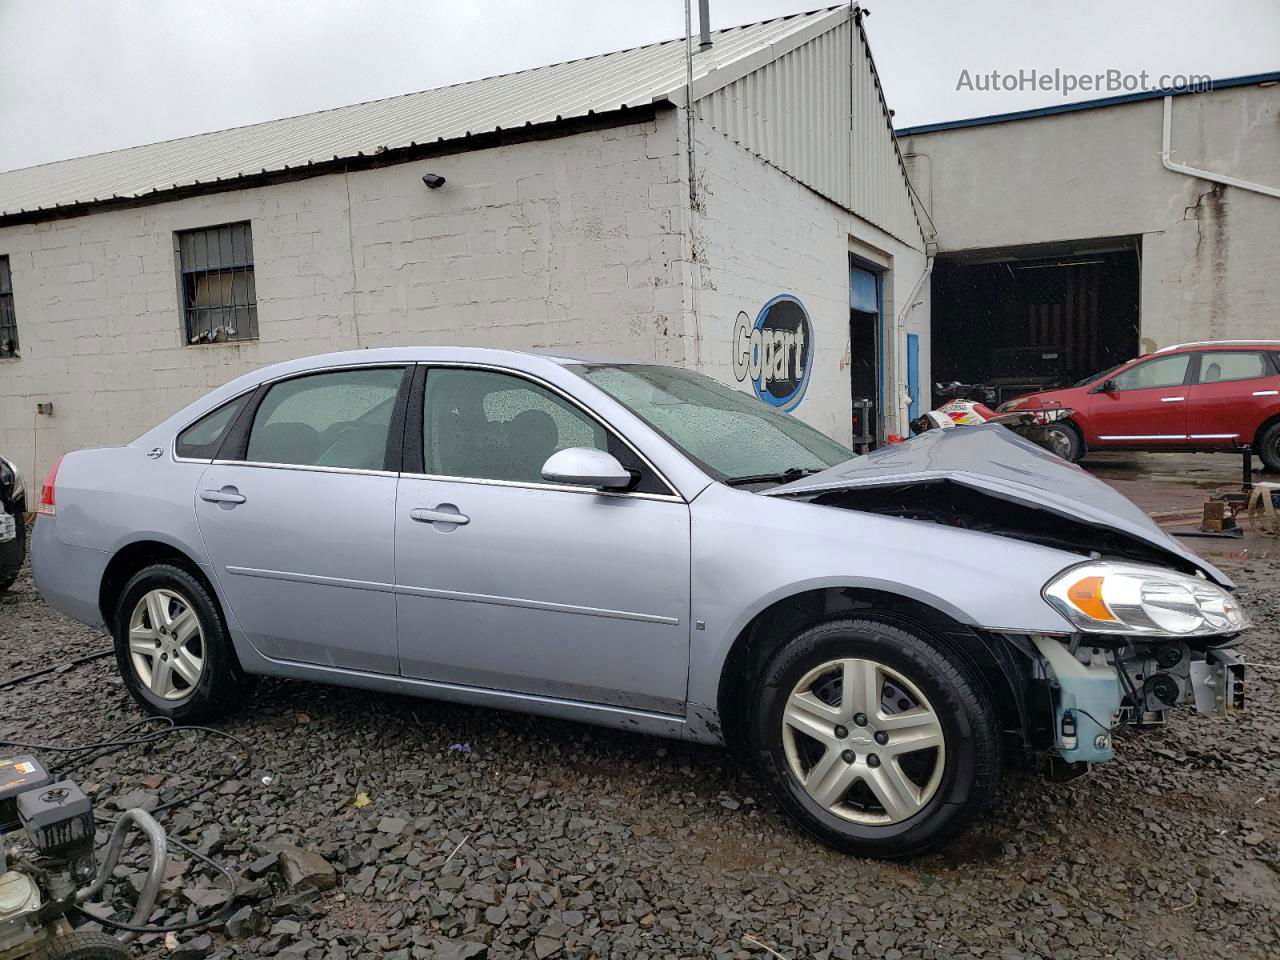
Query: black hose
(36, 674)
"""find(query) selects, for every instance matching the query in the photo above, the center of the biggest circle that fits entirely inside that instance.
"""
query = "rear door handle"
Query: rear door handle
(445, 513)
(225, 495)
(1171, 399)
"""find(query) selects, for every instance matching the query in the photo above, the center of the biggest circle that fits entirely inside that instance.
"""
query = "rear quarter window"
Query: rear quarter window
(201, 440)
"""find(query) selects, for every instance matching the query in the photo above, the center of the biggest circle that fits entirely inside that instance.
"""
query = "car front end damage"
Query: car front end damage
(1078, 690)
(1149, 639)
(1149, 626)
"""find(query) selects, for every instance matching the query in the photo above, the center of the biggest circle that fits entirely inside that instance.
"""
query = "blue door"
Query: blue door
(913, 375)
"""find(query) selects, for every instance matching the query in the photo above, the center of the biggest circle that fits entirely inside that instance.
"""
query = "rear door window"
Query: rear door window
(1220, 367)
(201, 440)
(336, 419)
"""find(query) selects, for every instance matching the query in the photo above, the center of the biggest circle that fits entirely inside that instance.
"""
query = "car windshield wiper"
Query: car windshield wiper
(786, 476)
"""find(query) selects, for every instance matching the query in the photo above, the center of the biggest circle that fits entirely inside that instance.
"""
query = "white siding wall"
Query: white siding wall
(818, 113)
(566, 244)
(760, 234)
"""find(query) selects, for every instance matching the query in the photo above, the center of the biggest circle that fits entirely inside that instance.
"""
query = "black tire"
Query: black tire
(961, 702)
(83, 945)
(12, 554)
(1269, 447)
(222, 685)
(1063, 438)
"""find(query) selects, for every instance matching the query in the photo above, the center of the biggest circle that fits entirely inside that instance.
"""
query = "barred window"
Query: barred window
(219, 301)
(8, 321)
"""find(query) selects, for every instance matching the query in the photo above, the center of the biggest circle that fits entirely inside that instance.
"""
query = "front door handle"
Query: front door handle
(226, 495)
(445, 513)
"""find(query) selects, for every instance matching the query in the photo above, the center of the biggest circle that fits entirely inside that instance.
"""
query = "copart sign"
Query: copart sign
(775, 350)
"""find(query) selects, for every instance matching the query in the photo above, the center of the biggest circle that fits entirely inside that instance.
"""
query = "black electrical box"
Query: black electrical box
(18, 775)
(58, 819)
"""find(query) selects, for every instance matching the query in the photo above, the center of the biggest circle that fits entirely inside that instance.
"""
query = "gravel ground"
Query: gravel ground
(444, 831)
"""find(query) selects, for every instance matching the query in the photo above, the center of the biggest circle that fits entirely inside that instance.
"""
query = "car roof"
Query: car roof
(1196, 345)
(417, 354)
(423, 354)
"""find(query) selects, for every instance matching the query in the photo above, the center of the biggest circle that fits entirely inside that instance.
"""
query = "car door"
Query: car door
(1145, 405)
(298, 517)
(535, 588)
(1234, 392)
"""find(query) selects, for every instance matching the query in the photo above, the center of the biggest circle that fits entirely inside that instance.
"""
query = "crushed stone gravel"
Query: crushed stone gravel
(361, 831)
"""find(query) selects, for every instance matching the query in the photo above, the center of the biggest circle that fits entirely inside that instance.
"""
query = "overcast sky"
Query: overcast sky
(79, 76)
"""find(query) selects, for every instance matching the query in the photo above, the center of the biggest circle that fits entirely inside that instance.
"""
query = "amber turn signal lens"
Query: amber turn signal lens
(1086, 595)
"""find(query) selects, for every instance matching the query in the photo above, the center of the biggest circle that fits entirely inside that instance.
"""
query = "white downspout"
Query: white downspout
(900, 335)
(1166, 157)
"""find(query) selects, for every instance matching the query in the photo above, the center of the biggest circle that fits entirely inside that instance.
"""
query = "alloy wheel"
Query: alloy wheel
(864, 741)
(166, 644)
(1060, 442)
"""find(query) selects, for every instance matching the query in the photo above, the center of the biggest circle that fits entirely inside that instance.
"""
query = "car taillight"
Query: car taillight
(47, 489)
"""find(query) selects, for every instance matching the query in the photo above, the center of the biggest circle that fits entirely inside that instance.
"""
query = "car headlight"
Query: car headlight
(11, 476)
(1104, 597)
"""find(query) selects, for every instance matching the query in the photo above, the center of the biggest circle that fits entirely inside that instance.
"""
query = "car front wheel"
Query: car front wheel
(1064, 440)
(875, 740)
(173, 649)
(1269, 448)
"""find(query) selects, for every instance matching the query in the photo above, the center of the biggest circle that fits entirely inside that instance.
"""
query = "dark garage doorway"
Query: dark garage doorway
(866, 303)
(1035, 317)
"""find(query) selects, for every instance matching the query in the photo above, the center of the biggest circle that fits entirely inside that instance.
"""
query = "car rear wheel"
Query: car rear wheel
(1269, 448)
(173, 649)
(1064, 440)
(83, 945)
(875, 740)
(12, 554)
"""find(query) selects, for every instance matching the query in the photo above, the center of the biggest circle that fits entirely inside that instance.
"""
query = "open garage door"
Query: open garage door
(1031, 318)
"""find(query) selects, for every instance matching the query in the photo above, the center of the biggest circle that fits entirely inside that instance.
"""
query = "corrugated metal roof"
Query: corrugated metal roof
(579, 88)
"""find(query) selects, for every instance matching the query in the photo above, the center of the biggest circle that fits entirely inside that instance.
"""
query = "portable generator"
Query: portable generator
(55, 871)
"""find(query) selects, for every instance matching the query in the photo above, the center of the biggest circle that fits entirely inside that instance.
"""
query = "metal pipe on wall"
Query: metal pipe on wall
(1166, 157)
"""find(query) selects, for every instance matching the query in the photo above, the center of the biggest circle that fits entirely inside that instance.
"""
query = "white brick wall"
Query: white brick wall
(575, 244)
(762, 233)
(564, 244)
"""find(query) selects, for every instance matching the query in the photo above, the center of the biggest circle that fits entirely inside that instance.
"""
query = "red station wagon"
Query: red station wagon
(1220, 395)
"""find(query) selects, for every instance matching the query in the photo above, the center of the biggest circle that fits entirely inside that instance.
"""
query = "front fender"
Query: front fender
(750, 552)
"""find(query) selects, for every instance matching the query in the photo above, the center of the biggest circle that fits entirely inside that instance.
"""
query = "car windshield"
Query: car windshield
(731, 434)
(1098, 376)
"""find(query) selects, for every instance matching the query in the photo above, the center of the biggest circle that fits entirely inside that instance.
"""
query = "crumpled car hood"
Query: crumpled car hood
(999, 463)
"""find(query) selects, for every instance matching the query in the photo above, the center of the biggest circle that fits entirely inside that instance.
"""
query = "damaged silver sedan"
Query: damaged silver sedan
(646, 548)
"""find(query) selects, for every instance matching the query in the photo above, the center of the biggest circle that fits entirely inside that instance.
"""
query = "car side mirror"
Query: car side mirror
(1106, 386)
(585, 467)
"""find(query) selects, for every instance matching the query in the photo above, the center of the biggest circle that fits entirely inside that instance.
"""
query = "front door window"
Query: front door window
(1163, 372)
(492, 426)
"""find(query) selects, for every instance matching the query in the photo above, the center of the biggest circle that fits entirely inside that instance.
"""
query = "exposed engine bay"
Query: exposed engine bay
(953, 504)
(1081, 690)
